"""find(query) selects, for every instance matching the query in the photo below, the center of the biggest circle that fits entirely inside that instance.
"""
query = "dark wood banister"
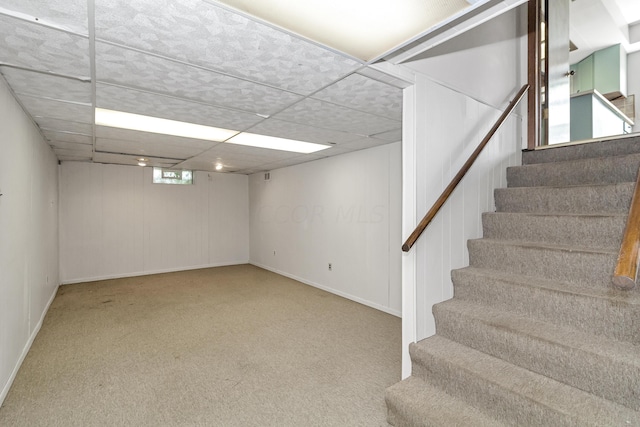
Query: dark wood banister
(624, 276)
(411, 240)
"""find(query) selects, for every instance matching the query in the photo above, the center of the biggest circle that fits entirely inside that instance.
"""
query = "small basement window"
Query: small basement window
(172, 176)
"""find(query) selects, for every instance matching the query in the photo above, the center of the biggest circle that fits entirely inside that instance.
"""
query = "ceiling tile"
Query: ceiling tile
(83, 148)
(140, 102)
(68, 137)
(293, 161)
(364, 94)
(201, 33)
(145, 149)
(134, 69)
(40, 107)
(200, 165)
(68, 14)
(236, 157)
(152, 138)
(391, 136)
(47, 85)
(239, 152)
(64, 158)
(361, 144)
(121, 159)
(331, 116)
(41, 48)
(80, 153)
(229, 166)
(46, 123)
(301, 132)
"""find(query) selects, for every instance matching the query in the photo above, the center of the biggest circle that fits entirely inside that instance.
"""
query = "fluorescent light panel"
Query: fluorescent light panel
(273, 143)
(120, 119)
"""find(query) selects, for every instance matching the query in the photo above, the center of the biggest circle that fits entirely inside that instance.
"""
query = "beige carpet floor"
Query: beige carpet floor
(228, 346)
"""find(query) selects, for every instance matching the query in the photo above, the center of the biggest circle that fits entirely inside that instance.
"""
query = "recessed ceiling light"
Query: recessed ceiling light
(274, 143)
(219, 166)
(120, 119)
(142, 161)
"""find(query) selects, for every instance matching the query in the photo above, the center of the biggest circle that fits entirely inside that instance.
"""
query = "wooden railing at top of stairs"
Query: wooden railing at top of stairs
(624, 276)
(411, 240)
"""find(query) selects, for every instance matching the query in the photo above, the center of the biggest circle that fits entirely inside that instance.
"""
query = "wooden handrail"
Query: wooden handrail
(411, 240)
(624, 276)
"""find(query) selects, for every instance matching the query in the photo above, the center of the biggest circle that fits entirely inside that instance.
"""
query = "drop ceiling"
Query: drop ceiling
(189, 60)
(199, 61)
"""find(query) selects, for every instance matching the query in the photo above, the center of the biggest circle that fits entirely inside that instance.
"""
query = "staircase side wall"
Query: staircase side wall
(460, 89)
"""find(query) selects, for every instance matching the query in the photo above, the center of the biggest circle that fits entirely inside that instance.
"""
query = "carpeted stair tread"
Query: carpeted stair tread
(414, 403)
(602, 198)
(600, 311)
(535, 333)
(510, 393)
(610, 147)
(605, 367)
(585, 266)
(589, 230)
(600, 170)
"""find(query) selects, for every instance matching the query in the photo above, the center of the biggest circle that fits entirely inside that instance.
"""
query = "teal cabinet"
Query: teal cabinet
(604, 71)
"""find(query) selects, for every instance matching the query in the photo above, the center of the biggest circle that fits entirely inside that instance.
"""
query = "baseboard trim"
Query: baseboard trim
(147, 273)
(331, 290)
(27, 347)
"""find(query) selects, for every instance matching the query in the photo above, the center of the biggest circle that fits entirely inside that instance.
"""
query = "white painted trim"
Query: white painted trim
(146, 273)
(409, 220)
(331, 290)
(27, 347)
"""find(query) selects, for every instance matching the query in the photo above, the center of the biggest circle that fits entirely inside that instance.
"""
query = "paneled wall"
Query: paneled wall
(461, 88)
(28, 234)
(115, 222)
(343, 210)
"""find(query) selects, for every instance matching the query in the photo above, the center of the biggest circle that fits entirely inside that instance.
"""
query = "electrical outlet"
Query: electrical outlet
(330, 267)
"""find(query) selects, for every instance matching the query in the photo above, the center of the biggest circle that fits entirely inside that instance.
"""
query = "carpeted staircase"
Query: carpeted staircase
(535, 334)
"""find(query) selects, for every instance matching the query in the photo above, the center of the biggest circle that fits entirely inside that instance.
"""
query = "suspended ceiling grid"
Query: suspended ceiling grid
(187, 60)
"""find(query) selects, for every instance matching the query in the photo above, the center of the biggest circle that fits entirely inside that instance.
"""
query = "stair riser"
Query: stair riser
(616, 147)
(499, 402)
(609, 318)
(581, 172)
(401, 415)
(590, 269)
(597, 231)
(413, 403)
(593, 373)
(599, 199)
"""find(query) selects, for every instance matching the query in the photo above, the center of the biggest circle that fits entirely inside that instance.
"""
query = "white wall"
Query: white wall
(461, 88)
(633, 84)
(343, 210)
(28, 234)
(115, 222)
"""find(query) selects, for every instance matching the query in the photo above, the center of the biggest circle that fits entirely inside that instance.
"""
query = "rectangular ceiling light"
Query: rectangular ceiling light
(120, 119)
(274, 143)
